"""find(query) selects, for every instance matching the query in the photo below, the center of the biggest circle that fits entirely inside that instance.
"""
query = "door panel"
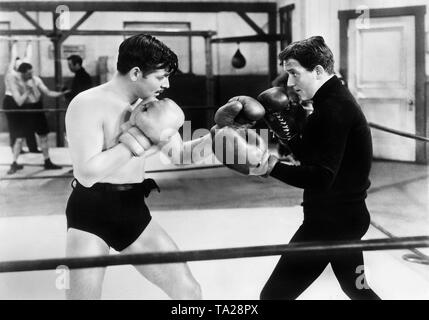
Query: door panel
(382, 78)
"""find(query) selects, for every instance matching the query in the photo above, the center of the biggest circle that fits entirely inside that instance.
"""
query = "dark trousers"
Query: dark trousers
(20, 123)
(30, 139)
(295, 272)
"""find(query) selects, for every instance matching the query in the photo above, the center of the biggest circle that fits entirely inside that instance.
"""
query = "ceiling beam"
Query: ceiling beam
(30, 19)
(24, 32)
(251, 23)
(148, 6)
(255, 38)
(66, 34)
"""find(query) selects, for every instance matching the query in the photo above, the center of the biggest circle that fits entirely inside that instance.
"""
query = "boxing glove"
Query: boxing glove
(134, 139)
(240, 111)
(241, 149)
(158, 120)
(151, 123)
(283, 116)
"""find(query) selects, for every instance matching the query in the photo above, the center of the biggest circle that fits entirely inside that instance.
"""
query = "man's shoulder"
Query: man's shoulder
(341, 98)
(84, 73)
(95, 97)
(37, 79)
(12, 76)
(91, 97)
(339, 107)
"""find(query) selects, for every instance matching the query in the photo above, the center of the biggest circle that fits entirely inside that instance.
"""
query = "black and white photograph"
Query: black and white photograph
(214, 155)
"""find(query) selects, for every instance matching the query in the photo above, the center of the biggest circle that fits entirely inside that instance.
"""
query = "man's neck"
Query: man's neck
(120, 86)
(323, 81)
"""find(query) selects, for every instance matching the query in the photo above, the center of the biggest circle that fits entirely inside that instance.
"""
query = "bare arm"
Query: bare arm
(28, 53)
(13, 56)
(85, 135)
(17, 96)
(50, 93)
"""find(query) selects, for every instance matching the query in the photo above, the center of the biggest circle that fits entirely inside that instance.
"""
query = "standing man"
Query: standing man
(12, 69)
(109, 138)
(25, 91)
(334, 150)
(81, 81)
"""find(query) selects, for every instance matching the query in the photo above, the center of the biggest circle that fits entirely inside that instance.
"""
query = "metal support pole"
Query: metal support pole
(272, 46)
(56, 41)
(209, 81)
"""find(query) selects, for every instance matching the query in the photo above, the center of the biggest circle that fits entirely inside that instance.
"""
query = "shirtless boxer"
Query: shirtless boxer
(108, 143)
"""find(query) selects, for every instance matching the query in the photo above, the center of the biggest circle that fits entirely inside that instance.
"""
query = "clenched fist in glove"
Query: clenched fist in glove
(242, 150)
(282, 116)
(150, 124)
(240, 111)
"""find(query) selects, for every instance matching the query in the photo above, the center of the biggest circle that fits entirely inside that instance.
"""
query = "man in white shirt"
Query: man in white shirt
(23, 90)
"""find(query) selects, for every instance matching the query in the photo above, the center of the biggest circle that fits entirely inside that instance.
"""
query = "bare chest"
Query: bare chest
(114, 117)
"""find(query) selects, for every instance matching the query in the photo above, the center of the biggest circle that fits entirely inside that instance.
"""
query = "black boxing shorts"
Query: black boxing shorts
(38, 120)
(18, 122)
(117, 213)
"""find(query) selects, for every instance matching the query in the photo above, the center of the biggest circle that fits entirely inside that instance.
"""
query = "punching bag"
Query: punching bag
(238, 61)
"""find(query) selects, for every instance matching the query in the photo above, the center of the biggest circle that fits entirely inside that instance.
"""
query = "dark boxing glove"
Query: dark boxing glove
(242, 150)
(283, 116)
(240, 111)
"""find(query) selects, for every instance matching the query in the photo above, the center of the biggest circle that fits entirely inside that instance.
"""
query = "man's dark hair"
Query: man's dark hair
(75, 59)
(147, 53)
(310, 53)
(24, 67)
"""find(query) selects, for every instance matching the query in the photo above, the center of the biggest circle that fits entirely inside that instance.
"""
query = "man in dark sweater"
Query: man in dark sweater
(81, 81)
(335, 152)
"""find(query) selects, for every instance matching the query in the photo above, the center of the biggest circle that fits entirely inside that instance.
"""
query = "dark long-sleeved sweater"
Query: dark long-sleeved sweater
(335, 151)
(82, 81)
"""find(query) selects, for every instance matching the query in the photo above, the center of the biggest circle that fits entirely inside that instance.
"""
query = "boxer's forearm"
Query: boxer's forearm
(303, 176)
(101, 165)
(20, 98)
(55, 94)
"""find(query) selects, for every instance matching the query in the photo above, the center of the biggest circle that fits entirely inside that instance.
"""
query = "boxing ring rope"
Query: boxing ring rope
(391, 243)
(33, 110)
(148, 171)
(371, 124)
(397, 132)
(65, 109)
(416, 257)
(215, 254)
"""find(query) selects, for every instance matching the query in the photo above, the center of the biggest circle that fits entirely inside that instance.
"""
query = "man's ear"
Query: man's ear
(319, 71)
(134, 73)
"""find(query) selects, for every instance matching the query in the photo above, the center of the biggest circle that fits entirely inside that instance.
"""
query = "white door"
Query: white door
(382, 78)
